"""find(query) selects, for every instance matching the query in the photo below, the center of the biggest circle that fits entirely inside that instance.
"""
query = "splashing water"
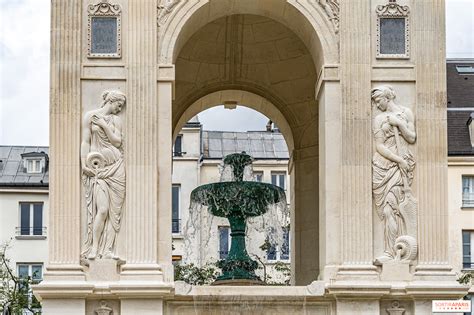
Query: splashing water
(249, 205)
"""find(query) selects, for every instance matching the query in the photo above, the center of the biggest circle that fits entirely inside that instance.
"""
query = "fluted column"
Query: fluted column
(65, 126)
(431, 169)
(141, 143)
(356, 210)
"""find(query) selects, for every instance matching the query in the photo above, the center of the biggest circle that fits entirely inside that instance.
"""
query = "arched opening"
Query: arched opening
(273, 63)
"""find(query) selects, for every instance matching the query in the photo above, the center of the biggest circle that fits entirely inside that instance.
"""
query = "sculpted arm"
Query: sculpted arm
(86, 144)
(408, 130)
(114, 134)
(380, 145)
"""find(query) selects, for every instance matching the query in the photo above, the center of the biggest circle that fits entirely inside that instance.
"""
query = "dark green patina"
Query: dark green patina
(238, 200)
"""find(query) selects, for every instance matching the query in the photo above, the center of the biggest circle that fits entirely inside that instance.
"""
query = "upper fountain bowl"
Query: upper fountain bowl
(239, 198)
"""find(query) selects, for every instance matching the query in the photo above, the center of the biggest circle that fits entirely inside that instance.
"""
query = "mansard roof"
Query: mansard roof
(259, 144)
(460, 91)
(12, 170)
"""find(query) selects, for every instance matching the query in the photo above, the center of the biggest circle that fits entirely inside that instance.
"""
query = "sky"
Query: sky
(24, 71)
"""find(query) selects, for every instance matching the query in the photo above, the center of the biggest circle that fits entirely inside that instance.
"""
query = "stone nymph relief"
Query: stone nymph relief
(393, 167)
(103, 175)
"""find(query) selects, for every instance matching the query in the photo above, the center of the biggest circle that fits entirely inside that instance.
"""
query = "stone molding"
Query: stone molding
(393, 10)
(104, 9)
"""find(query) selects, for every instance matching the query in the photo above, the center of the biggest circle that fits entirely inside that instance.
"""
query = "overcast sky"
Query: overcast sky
(24, 71)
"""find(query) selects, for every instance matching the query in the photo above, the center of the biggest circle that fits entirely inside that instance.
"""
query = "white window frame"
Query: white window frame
(471, 245)
(229, 239)
(179, 209)
(30, 274)
(278, 251)
(256, 174)
(468, 191)
(277, 181)
(34, 166)
(31, 234)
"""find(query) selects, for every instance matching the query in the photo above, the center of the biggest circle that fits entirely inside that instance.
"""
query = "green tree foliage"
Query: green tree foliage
(195, 275)
(15, 292)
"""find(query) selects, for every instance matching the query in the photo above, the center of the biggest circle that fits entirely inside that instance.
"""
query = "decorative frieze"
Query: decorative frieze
(104, 30)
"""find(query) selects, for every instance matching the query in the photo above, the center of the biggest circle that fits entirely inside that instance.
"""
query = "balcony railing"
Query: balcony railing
(30, 231)
(176, 226)
(468, 199)
(468, 265)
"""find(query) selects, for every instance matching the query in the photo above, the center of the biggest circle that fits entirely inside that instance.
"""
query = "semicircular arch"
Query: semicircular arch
(311, 26)
(242, 98)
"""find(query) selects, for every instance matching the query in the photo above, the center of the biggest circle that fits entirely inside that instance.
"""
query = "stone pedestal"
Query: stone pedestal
(396, 271)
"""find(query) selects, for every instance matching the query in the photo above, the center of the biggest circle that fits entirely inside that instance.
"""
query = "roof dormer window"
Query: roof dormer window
(33, 166)
(34, 162)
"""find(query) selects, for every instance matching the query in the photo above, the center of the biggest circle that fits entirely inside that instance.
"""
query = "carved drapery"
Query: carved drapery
(103, 176)
(393, 167)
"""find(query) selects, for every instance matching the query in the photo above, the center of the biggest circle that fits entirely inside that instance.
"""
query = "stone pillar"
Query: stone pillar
(166, 76)
(65, 128)
(141, 144)
(356, 155)
(431, 169)
(64, 306)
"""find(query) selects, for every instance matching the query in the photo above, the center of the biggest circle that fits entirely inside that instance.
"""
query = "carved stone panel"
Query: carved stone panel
(103, 176)
(393, 37)
(104, 30)
(393, 166)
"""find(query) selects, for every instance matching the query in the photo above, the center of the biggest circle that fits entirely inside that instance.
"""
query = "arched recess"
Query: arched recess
(212, 49)
(242, 98)
(311, 25)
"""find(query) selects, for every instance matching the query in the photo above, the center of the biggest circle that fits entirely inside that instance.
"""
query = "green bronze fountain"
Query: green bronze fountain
(237, 200)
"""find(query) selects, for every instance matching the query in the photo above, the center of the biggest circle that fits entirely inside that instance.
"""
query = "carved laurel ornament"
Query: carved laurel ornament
(332, 10)
(165, 8)
(104, 30)
(393, 31)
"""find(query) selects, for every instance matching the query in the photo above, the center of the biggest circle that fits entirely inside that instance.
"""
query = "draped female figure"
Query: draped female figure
(392, 168)
(103, 175)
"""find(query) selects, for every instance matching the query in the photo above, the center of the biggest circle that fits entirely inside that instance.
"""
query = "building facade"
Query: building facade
(358, 90)
(197, 155)
(24, 205)
(460, 75)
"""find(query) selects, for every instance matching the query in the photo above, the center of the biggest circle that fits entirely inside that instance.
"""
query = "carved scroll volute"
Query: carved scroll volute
(393, 168)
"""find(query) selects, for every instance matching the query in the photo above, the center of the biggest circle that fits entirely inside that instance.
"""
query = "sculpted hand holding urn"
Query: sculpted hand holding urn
(393, 167)
(103, 175)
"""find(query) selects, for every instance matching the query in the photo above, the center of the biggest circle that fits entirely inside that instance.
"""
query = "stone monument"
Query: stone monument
(368, 227)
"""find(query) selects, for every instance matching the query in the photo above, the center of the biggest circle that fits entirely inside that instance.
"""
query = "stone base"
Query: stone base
(238, 282)
(396, 271)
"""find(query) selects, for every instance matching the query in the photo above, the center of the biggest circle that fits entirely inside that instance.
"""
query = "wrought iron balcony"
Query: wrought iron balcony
(468, 199)
(176, 226)
(30, 232)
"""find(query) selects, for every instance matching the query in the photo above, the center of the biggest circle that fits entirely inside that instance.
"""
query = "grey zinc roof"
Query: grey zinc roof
(12, 172)
(259, 144)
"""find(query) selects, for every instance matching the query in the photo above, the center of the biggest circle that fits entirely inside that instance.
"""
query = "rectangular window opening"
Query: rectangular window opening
(175, 213)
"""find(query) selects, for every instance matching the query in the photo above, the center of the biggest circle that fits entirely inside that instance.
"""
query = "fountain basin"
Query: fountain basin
(243, 198)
